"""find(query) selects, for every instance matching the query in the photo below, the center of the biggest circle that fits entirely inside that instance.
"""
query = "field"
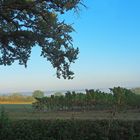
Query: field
(26, 124)
(120, 104)
(25, 111)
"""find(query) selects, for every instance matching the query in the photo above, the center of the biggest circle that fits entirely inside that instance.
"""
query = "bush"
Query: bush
(5, 125)
(71, 130)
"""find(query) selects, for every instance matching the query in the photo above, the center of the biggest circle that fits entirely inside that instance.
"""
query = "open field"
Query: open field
(15, 102)
(25, 111)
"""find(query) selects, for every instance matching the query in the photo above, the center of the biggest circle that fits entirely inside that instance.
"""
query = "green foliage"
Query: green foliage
(124, 97)
(72, 130)
(119, 99)
(3, 116)
(5, 125)
(75, 101)
(38, 94)
(27, 23)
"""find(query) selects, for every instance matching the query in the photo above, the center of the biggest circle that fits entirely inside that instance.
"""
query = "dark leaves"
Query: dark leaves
(27, 23)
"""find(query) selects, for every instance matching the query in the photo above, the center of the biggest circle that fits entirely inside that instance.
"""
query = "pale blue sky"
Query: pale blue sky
(108, 36)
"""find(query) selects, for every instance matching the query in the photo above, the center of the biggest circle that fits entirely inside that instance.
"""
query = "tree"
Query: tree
(58, 94)
(136, 90)
(38, 94)
(27, 23)
(120, 96)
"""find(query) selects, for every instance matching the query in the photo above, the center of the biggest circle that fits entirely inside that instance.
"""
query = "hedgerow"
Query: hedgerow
(70, 130)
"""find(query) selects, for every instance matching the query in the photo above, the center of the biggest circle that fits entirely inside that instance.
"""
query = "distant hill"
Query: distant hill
(136, 90)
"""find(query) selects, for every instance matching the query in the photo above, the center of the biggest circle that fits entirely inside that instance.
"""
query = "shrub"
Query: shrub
(71, 130)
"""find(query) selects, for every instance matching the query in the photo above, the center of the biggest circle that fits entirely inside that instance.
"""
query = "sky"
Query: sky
(108, 37)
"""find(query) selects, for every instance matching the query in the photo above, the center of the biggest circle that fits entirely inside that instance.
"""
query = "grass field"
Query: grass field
(25, 111)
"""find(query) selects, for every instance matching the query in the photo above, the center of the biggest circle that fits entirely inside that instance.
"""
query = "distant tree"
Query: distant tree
(58, 94)
(136, 90)
(38, 94)
(122, 97)
(27, 23)
(15, 96)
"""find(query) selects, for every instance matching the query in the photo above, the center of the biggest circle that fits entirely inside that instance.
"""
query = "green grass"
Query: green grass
(25, 111)
(17, 107)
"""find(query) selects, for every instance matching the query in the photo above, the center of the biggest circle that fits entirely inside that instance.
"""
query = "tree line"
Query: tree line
(118, 98)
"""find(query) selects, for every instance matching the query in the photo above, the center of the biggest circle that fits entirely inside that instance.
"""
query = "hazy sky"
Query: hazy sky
(108, 36)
